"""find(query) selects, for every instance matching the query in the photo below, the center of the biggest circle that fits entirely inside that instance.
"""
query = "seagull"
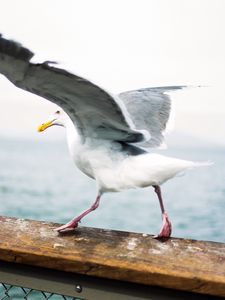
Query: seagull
(110, 137)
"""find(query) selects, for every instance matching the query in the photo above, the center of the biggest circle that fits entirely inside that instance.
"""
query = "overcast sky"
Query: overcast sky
(123, 45)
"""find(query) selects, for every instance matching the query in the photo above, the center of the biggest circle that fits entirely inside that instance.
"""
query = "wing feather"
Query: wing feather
(94, 111)
(150, 110)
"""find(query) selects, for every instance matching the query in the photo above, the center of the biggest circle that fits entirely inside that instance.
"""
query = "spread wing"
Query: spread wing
(95, 112)
(150, 109)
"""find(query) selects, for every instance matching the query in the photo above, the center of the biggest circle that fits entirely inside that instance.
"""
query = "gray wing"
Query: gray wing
(95, 112)
(150, 109)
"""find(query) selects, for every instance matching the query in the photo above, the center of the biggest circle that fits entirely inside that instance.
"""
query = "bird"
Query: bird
(110, 137)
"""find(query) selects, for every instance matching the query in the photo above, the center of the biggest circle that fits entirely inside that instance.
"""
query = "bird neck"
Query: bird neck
(73, 137)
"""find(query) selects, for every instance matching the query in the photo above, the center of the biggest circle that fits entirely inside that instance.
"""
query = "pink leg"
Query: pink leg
(166, 228)
(71, 225)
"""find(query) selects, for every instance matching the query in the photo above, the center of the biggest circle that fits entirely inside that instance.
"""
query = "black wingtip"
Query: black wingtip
(14, 49)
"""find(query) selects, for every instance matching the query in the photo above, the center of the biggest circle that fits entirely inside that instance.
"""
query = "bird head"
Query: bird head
(58, 118)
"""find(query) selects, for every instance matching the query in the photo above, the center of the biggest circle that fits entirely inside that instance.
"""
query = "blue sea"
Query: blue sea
(38, 180)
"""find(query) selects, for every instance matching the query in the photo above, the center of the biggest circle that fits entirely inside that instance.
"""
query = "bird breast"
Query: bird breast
(93, 156)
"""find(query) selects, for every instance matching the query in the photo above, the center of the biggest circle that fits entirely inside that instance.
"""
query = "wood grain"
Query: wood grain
(189, 265)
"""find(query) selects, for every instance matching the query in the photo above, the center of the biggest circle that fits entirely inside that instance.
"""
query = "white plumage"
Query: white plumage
(104, 132)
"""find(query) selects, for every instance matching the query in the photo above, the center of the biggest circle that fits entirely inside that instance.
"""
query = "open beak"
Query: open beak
(45, 126)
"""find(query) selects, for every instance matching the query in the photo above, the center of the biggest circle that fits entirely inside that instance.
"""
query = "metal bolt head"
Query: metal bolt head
(78, 288)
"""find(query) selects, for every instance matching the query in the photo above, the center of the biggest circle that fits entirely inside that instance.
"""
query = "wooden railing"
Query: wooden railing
(173, 266)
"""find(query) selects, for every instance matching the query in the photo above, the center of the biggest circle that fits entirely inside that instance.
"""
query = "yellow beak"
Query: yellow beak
(44, 126)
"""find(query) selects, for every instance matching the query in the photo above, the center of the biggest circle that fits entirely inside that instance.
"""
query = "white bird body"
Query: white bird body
(138, 172)
(104, 132)
(116, 170)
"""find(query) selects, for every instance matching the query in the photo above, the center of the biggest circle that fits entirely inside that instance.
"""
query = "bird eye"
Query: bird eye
(57, 112)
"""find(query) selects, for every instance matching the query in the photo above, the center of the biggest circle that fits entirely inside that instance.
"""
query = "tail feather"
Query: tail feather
(203, 163)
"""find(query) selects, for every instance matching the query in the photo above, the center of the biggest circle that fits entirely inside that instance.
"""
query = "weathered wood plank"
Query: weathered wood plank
(181, 264)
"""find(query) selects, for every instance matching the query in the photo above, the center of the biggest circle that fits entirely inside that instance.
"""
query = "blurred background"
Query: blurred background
(119, 45)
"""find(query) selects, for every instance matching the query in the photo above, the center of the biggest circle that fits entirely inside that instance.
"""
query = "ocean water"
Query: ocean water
(39, 181)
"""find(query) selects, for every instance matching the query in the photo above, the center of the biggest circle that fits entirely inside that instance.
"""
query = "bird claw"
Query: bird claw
(166, 228)
(67, 227)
